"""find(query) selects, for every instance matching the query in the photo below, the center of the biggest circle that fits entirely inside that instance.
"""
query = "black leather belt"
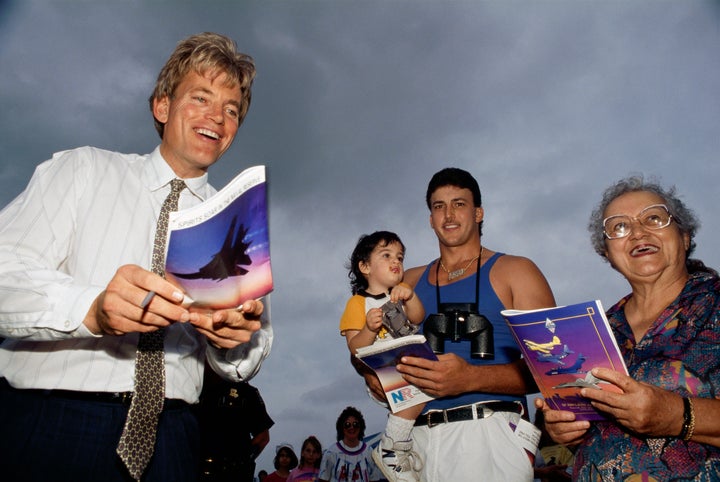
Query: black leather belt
(467, 412)
(123, 398)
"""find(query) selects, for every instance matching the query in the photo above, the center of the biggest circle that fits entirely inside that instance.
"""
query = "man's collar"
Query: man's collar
(158, 174)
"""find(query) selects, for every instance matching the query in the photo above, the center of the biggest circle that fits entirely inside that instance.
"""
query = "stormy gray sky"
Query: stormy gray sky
(357, 104)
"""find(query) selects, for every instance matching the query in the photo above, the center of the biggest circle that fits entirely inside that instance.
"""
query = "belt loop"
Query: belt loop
(430, 423)
(474, 408)
(445, 417)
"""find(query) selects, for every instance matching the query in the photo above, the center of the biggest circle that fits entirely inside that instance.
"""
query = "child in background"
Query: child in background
(309, 467)
(285, 460)
(376, 273)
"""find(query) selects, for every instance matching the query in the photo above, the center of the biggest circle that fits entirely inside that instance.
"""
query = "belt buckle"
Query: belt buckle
(429, 415)
(484, 411)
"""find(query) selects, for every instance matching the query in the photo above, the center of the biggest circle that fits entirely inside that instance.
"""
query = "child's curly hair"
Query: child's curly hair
(362, 251)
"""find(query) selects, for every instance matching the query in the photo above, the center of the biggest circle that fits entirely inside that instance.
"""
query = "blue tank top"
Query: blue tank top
(463, 291)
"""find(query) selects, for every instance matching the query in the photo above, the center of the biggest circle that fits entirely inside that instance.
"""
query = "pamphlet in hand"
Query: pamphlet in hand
(383, 355)
(218, 252)
(560, 346)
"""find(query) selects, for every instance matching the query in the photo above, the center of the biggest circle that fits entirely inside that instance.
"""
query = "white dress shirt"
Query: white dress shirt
(85, 213)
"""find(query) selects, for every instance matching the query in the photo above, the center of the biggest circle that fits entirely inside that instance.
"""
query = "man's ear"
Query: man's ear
(479, 214)
(161, 109)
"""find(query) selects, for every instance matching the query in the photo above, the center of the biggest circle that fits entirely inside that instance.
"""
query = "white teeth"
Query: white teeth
(208, 133)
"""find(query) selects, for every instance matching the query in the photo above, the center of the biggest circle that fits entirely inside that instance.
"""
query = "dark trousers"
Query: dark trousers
(45, 438)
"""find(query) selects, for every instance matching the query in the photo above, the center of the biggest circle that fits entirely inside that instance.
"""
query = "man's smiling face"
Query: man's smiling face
(201, 120)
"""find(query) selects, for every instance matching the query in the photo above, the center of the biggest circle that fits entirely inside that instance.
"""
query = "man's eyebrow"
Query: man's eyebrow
(207, 91)
(200, 89)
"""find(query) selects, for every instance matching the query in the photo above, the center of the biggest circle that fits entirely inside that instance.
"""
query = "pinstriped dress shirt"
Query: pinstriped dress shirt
(85, 213)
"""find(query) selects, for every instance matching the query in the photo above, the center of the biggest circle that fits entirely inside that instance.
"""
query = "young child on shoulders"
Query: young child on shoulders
(376, 273)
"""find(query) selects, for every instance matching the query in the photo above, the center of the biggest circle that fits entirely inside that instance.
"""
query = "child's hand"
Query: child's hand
(401, 292)
(373, 319)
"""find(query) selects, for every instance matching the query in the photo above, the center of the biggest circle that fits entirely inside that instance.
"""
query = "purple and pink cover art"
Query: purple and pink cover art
(219, 251)
(561, 345)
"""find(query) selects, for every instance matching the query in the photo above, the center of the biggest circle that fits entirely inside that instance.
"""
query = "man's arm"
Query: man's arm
(520, 284)
(38, 300)
(451, 375)
(259, 442)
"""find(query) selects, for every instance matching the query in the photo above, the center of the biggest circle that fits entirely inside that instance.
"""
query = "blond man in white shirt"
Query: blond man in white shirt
(75, 254)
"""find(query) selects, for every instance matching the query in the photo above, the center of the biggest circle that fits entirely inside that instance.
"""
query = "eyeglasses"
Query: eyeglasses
(351, 424)
(652, 217)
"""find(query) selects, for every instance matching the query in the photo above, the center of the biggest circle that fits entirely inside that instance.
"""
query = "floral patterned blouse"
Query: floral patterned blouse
(681, 353)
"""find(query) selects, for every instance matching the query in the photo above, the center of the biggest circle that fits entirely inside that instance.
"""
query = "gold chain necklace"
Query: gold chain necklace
(459, 272)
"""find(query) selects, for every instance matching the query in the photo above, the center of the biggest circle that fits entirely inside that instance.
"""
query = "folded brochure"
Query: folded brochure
(560, 346)
(383, 355)
(218, 251)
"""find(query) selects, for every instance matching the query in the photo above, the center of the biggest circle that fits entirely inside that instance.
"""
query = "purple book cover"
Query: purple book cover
(219, 251)
(561, 345)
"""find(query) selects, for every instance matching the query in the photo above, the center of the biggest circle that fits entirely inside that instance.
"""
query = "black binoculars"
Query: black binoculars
(460, 321)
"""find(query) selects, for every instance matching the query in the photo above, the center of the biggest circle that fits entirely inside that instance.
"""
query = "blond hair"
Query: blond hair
(207, 54)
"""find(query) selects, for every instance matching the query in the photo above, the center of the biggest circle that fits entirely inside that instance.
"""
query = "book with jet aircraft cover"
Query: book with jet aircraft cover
(560, 346)
(218, 251)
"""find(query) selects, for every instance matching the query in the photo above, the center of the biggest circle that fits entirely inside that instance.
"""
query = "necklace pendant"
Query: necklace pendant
(455, 274)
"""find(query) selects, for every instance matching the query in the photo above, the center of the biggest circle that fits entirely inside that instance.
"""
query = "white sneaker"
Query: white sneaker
(397, 461)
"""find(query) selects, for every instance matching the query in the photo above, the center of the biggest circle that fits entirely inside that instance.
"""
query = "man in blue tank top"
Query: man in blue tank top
(474, 429)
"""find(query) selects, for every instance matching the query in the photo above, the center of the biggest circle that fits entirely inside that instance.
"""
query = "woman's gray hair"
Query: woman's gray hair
(685, 219)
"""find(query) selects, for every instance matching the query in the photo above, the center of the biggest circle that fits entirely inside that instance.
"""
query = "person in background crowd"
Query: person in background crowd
(310, 458)
(349, 459)
(235, 428)
(285, 460)
(553, 461)
(665, 425)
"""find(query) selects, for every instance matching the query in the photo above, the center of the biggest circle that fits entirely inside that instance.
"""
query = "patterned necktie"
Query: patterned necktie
(138, 438)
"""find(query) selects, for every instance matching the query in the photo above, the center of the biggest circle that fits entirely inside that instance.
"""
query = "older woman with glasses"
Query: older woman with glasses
(666, 423)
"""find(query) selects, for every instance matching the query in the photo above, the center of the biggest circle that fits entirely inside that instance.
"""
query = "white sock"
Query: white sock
(398, 428)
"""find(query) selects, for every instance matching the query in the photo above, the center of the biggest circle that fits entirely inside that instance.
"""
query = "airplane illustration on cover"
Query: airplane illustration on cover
(590, 381)
(229, 260)
(546, 348)
(553, 358)
(574, 368)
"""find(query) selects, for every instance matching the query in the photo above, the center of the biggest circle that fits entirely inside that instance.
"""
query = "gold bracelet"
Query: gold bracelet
(691, 428)
(688, 420)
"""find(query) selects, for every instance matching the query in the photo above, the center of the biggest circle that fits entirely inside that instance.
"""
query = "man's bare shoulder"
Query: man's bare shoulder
(512, 264)
(412, 275)
(520, 284)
